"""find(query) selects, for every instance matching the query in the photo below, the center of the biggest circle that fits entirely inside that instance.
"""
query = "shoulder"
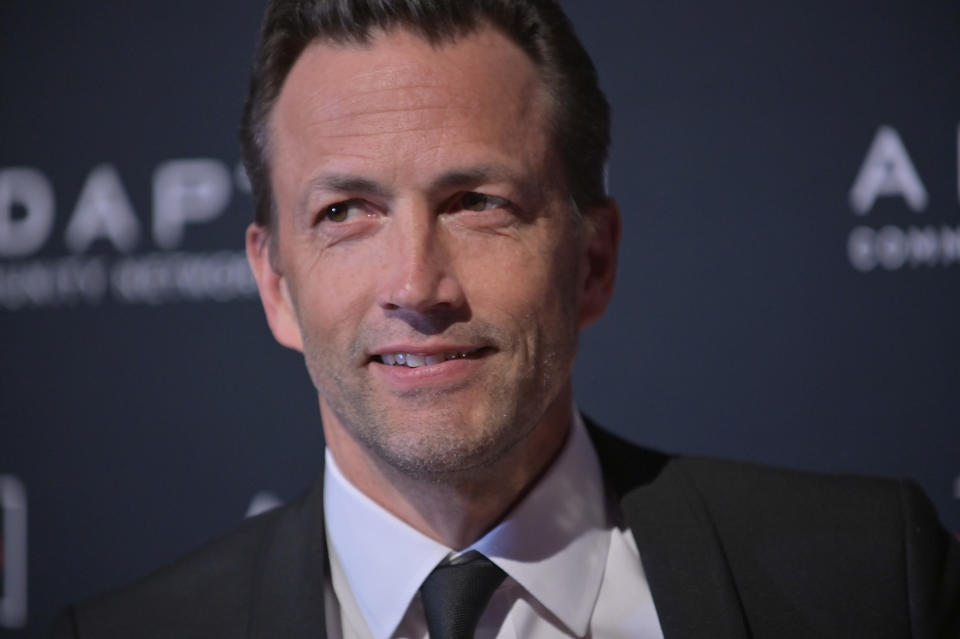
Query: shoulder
(761, 497)
(207, 593)
(798, 498)
(753, 505)
(851, 547)
(857, 543)
(868, 513)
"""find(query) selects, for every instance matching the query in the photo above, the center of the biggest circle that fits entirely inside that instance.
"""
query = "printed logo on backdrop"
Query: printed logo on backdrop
(888, 172)
(13, 553)
(145, 265)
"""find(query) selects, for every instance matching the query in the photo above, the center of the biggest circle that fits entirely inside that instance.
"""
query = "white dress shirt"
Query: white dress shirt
(572, 569)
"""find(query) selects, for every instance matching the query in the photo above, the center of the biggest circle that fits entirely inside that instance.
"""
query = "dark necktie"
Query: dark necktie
(455, 595)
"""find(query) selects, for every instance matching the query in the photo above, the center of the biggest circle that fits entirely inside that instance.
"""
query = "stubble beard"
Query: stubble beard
(434, 438)
(436, 441)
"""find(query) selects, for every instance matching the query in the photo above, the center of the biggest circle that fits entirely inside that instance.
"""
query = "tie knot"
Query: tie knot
(455, 595)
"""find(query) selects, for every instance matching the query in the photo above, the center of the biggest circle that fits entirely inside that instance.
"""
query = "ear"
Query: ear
(274, 292)
(602, 245)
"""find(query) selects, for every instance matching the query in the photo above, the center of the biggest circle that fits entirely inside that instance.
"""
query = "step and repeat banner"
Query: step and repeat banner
(788, 292)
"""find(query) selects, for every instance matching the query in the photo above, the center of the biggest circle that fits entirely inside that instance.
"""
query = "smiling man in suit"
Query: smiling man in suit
(433, 233)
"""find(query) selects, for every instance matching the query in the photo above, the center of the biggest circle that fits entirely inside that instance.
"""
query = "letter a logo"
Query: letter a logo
(887, 170)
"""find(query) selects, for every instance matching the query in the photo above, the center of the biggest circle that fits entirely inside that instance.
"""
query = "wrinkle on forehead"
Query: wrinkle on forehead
(388, 88)
(394, 116)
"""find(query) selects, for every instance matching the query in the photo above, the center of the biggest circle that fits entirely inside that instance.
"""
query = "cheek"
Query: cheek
(529, 284)
(504, 277)
(331, 300)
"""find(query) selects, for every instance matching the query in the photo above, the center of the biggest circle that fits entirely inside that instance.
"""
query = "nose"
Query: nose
(419, 275)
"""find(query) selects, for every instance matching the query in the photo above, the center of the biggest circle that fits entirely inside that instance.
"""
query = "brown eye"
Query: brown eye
(339, 212)
(474, 201)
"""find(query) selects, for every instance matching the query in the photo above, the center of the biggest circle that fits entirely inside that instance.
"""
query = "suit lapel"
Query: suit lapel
(686, 568)
(293, 571)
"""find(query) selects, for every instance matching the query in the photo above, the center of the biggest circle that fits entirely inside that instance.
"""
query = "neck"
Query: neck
(454, 509)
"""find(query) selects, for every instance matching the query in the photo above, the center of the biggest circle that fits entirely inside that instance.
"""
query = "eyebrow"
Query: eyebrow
(471, 175)
(341, 183)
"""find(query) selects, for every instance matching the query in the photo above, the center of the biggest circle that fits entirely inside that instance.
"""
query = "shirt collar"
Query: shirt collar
(559, 534)
(556, 536)
(384, 560)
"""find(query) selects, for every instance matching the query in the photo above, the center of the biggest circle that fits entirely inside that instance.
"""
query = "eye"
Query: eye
(473, 201)
(341, 211)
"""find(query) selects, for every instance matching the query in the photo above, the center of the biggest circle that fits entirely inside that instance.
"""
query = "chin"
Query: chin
(442, 449)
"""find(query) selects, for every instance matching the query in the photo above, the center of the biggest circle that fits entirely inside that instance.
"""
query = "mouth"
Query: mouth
(417, 360)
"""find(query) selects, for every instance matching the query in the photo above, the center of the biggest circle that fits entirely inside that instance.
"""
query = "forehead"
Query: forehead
(401, 95)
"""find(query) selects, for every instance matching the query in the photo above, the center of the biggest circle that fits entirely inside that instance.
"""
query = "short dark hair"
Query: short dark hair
(581, 121)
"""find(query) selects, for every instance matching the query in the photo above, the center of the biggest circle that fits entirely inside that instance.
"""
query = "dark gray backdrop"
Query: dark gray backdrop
(759, 315)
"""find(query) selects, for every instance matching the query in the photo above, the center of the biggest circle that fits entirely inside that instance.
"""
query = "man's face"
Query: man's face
(428, 261)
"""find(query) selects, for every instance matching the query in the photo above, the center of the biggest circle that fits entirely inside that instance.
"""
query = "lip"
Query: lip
(425, 349)
(447, 374)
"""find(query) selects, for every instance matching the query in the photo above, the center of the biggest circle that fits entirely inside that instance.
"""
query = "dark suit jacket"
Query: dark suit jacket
(730, 551)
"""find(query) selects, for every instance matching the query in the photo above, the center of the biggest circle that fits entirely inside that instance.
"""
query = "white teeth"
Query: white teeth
(412, 360)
